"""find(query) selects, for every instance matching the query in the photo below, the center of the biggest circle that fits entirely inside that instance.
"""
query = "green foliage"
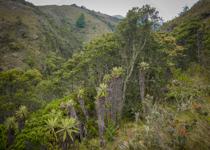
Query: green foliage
(22, 112)
(117, 72)
(3, 138)
(26, 41)
(81, 93)
(52, 124)
(103, 50)
(46, 128)
(67, 128)
(143, 66)
(183, 88)
(11, 123)
(80, 23)
(136, 45)
(101, 91)
(111, 132)
(191, 30)
(18, 88)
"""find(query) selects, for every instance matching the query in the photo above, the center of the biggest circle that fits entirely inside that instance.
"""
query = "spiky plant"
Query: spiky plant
(107, 78)
(22, 112)
(143, 66)
(51, 125)
(11, 126)
(81, 93)
(56, 113)
(11, 123)
(67, 129)
(102, 91)
(117, 72)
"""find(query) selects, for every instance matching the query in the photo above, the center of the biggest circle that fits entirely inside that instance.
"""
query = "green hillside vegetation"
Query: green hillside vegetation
(192, 30)
(29, 33)
(135, 87)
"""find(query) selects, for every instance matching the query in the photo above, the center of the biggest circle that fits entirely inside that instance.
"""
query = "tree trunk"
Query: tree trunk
(142, 84)
(72, 114)
(100, 108)
(82, 105)
(21, 124)
(119, 98)
(10, 137)
(131, 67)
(114, 100)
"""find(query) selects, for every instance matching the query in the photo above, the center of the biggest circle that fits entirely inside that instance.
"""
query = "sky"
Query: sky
(168, 8)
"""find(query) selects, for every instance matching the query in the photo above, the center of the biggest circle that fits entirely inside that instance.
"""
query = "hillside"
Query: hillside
(192, 30)
(28, 34)
(134, 88)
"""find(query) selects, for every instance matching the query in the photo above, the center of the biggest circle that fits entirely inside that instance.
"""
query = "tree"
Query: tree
(21, 115)
(67, 129)
(80, 97)
(143, 67)
(11, 127)
(185, 9)
(100, 108)
(114, 99)
(135, 33)
(80, 23)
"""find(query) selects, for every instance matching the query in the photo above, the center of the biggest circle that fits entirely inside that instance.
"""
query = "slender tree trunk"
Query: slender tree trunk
(119, 97)
(114, 100)
(72, 114)
(82, 105)
(100, 108)
(21, 124)
(131, 67)
(113, 110)
(142, 84)
(108, 102)
(10, 137)
(117, 100)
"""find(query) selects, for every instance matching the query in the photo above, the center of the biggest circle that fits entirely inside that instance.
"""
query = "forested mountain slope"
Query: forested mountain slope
(28, 34)
(192, 30)
(135, 88)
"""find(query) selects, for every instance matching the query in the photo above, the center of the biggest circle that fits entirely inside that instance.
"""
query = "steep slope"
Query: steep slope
(29, 33)
(192, 30)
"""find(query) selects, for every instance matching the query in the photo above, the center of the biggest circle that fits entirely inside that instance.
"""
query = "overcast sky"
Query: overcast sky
(168, 8)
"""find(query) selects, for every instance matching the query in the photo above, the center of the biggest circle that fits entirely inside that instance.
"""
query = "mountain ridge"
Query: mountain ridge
(45, 29)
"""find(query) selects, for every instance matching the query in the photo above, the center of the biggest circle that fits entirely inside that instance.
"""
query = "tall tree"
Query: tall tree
(134, 32)
(114, 99)
(100, 108)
